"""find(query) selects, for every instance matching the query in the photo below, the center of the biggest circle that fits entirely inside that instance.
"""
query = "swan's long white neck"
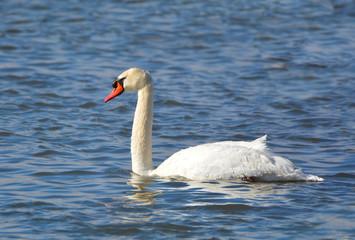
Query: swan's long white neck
(141, 141)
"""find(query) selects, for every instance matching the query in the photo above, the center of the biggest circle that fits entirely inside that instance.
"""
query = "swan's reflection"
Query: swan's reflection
(253, 193)
(250, 194)
(141, 195)
(238, 189)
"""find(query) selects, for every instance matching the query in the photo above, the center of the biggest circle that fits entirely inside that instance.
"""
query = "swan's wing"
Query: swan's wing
(231, 160)
(220, 160)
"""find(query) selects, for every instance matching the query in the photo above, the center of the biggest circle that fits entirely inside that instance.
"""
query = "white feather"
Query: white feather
(212, 161)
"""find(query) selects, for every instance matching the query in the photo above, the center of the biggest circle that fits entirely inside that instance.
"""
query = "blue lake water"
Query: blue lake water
(223, 70)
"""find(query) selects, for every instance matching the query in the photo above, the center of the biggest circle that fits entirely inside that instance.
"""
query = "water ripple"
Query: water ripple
(222, 71)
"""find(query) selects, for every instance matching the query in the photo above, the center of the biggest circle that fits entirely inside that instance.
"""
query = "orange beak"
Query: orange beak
(116, 92)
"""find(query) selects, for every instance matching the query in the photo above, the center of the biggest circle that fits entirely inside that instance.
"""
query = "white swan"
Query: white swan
(250, 161)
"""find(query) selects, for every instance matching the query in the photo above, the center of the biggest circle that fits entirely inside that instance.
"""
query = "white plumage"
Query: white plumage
(230, 160)
(212, 161)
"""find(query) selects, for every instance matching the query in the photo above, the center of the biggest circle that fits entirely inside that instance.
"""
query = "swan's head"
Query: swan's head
(133, 79)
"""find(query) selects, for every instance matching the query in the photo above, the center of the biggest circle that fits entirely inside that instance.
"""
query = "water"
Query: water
(222, 71)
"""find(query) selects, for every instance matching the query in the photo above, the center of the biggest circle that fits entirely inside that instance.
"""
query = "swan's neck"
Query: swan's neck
(141, 142)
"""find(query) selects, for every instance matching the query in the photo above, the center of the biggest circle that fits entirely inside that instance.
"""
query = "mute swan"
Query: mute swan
(249, 161)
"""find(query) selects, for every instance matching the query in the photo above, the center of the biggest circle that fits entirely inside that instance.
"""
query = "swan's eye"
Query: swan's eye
(114, 84)
(118, 80)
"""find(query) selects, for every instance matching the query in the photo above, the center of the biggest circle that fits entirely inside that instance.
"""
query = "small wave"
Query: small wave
(6, 134)
(46, 153)
(229, 207)
(74, 172)
(53, 105)
(88, 105)
(174, 103)
(7, 47)
(117, 171)
(50, 95)
(188, 136)
(28, 204)
(341, 175)
(13, 31)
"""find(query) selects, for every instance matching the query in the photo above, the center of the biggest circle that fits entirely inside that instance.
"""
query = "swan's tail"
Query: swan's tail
(285, 170)
(259, 143)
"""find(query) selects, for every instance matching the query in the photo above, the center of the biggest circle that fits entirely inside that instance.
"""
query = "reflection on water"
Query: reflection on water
(141, 195)
(223, 70)
(249, 193)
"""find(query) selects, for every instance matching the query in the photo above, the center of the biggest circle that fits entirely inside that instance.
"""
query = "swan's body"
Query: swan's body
(211, 161)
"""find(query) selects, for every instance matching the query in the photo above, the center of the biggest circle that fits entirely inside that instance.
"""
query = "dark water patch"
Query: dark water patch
(73, 172)
(175, 184)
(48, 105)
(88, 105)
(13, 31)
(7, 47)
(316, 121)
(78, 142)
(11, 91)
(34, 83)
(4, 170)
(117, 171)
(117, 229)
(75, 20)
(48, 153)
(20, 22)
(312, 139)
(181, 137)
(50, 95)
(120, 108)
(50, 128)
(47, 120)
(289, 105)
(276, 59)
(6, 134)
(39, 129)
(318, 99)
(29, 204)
(241, 137)
(24, 107)
(16, 213)
(173, 103)
(341, 175)
(229, 208)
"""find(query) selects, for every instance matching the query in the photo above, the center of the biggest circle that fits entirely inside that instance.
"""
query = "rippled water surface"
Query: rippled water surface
(223, 70)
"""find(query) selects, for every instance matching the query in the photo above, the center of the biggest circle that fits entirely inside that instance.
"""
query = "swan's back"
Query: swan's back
(230, 160)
